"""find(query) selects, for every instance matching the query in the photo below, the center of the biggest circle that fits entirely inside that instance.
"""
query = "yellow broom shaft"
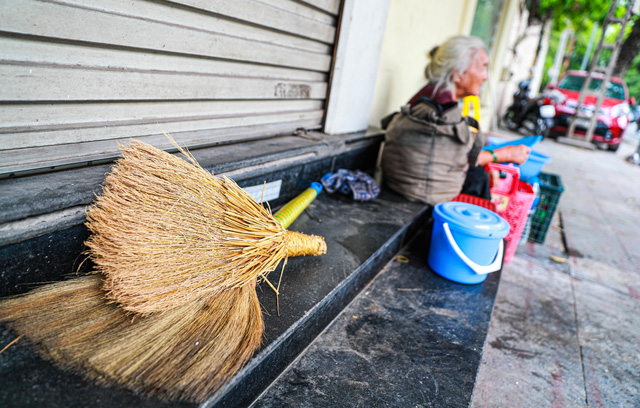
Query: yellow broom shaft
(287, 214)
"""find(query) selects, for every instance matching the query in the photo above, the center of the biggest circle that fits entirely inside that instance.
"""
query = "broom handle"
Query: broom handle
(287, 214)
(299, 244)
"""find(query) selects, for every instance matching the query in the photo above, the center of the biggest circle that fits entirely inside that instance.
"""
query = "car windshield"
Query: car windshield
(574, 83)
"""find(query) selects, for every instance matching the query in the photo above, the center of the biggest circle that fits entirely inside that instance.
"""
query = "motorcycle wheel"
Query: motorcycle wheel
(509, 120)
(545, 129)
(535, 125)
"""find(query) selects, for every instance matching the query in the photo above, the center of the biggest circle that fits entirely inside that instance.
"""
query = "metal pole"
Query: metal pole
(538, 68)
(587, 54)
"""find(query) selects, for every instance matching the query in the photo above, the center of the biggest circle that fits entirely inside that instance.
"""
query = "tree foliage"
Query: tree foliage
(580, 16)
(572, 13)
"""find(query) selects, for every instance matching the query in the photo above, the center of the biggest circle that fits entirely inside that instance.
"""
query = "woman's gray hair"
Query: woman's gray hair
(455, 54)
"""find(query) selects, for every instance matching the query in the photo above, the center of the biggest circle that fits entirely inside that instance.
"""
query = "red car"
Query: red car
(613, 114)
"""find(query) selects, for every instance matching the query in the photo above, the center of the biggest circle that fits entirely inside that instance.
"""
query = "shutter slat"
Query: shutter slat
(57, 116)
(29, 160)
(266, 15)
(99, 28)
(90, 132)
(306, 10)
(330, 6)
(54, 83)
(25, 52)
(32, 52)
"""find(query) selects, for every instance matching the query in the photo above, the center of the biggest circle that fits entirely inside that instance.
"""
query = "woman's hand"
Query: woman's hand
(509, 154)
(517, 154)
(494, 178)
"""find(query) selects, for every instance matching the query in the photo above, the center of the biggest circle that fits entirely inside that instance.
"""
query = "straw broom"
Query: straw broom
(192, 247)
(165, 231)
(185, 353)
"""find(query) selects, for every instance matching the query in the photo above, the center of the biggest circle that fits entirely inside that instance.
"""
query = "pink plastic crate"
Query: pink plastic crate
(512, 199)
(481, 202)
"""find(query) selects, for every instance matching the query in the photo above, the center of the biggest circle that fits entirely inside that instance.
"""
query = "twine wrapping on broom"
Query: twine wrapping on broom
(172, 309)
(302, 244)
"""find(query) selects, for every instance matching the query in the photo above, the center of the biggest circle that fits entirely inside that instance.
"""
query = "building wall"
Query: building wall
(355, 67)
(490, 99)
(414, 27)
(519, 65)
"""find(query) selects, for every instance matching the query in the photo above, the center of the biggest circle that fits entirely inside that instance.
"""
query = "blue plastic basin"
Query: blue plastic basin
(533, 166)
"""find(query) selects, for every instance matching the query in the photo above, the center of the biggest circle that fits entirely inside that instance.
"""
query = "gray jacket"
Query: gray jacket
(427, 151)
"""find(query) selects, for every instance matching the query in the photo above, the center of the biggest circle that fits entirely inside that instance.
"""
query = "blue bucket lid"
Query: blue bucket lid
(471, 219)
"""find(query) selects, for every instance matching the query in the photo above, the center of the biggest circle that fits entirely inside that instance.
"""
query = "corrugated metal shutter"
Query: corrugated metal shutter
(77, 76)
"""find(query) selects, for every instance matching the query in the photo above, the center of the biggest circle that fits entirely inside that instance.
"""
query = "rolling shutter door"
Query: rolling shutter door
(79, 76)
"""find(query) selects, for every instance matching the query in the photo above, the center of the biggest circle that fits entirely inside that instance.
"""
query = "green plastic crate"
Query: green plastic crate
(550, 191)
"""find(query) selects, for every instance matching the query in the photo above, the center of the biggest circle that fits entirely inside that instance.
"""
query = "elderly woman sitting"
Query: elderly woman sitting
(429, 149)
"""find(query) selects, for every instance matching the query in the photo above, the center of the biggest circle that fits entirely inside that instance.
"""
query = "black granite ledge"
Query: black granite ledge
(361, 237)
(416, 339)
(29, 196)
(411, 338)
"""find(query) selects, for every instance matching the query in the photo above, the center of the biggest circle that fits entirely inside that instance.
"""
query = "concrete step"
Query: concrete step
(361, 238)
(411, 338)
(411, 326)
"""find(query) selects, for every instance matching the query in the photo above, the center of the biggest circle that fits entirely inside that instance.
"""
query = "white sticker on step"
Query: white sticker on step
(271, 191)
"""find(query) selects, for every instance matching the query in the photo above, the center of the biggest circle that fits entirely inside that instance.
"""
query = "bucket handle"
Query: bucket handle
(479, 269)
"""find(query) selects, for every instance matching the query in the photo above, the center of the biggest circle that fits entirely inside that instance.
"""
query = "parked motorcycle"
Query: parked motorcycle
(533, 116)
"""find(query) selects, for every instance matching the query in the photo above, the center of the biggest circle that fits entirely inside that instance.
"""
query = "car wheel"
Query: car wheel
(614, 148)
(551, 134)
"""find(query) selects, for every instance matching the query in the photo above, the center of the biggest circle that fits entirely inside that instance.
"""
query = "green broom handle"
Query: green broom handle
(287, 214)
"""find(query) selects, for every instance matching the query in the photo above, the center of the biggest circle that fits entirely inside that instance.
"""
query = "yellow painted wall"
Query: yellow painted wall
(414, 27)
(490, 98)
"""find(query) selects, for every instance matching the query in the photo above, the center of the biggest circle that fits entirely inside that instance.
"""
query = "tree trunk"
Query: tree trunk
(544, 22)
(628, 51)
(533, 12)
(567, 57)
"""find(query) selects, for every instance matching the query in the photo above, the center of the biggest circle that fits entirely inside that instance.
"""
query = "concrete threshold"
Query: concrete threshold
(576, 142)
(361, 238)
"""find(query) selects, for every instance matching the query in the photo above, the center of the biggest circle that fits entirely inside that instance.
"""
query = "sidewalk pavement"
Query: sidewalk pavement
(567, 334)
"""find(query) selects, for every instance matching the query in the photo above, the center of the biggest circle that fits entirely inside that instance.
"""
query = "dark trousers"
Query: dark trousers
(477, 183)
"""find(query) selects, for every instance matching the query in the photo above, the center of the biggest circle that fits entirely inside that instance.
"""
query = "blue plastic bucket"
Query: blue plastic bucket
(466, 242)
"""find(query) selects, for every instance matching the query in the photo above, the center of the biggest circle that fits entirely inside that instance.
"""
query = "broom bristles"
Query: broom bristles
(165, 231)
(184, 353)
(180, 252)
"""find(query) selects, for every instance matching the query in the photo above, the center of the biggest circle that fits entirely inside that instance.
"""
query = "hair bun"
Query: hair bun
(433, 51)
